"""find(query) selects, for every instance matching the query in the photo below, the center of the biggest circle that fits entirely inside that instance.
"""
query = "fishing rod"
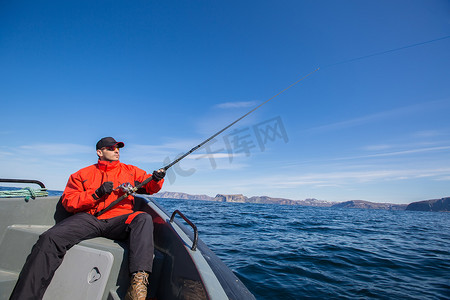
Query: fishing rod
(129, 189)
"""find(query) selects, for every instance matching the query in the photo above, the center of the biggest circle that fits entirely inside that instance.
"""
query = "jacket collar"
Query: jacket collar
(107, 165)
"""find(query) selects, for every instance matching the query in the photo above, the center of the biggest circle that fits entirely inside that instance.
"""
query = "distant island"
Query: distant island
(442, 204)
(436, 205)
(369, 205)
(239, 198)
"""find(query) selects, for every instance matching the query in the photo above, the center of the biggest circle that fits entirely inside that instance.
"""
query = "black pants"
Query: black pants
(48, 253)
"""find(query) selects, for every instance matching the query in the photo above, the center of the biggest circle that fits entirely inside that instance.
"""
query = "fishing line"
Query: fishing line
(231, 124)
(130, 190)
(386, 51)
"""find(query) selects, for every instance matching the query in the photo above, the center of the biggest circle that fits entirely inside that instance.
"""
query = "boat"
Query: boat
(183, 268)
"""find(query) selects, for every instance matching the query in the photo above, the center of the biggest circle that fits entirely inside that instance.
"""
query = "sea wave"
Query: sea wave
(293, 252)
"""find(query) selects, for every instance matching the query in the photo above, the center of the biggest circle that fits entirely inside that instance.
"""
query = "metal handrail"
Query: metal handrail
(23, 181)
(194, 243)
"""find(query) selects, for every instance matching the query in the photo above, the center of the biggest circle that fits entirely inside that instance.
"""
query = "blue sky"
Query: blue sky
(162, 76)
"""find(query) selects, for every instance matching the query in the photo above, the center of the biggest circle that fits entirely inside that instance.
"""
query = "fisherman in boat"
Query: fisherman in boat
(89, 191)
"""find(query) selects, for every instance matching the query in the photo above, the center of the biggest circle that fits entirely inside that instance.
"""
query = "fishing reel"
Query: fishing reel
(127, 188)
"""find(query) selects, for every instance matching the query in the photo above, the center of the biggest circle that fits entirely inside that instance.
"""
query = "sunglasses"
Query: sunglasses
(110, 148)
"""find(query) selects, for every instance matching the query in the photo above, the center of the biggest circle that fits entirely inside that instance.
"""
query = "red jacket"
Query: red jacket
(78, 194)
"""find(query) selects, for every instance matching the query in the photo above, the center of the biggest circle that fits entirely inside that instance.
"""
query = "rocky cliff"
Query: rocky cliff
(239, 198)
(369, 205)
(184, 196)
(442, 204)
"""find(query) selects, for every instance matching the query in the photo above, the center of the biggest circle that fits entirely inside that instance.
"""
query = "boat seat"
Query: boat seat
(93, 258)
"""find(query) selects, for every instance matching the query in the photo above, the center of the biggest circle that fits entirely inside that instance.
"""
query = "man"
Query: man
(89, 191)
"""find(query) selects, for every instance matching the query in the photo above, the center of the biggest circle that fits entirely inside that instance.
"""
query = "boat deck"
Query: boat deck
(98, 268)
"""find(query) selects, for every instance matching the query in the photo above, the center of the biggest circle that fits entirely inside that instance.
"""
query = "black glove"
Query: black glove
(158, 175)
(140, 190)
(105, 189)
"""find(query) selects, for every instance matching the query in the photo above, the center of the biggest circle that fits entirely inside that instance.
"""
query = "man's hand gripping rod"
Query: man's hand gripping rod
(131, 190)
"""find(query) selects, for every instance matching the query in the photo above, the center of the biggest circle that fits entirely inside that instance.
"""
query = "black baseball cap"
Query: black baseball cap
(108, 142)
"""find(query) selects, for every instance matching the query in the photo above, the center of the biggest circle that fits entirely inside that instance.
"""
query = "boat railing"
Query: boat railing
(194, 243)
(26, 192)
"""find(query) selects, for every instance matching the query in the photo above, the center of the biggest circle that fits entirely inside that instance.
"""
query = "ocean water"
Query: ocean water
(294, 252)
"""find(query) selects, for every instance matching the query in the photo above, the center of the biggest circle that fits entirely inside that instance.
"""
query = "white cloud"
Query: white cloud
(428, 133)
(364, 176)
(156, 153)
(377, 147)
(216, 155)
(419, 108)
(242, 104)
(397, 153)
(58, 149)
(50, 163)
(6, 153)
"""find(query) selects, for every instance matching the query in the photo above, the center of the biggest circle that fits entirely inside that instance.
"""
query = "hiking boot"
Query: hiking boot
(138, 287)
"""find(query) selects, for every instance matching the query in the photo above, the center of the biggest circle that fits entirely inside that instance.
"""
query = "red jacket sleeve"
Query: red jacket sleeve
(151, 187)
(75, 198)
(154, 187)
